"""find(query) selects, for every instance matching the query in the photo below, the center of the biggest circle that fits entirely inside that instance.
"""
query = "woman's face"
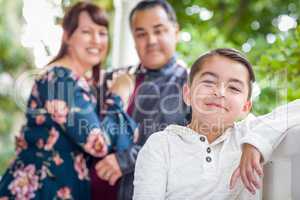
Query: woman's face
(88, 44)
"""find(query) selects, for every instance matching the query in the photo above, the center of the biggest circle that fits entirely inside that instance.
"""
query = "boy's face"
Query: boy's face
(218, 94)
(155, 36)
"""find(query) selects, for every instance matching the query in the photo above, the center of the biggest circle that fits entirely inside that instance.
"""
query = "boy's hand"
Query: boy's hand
(248, 169)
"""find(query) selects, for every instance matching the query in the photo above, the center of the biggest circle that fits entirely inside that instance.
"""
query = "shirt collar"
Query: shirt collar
(166, 70)
(228, 133)
(185, 133)
(191, 136)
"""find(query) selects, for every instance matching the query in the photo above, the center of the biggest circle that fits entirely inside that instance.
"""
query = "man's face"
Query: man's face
(155, 37)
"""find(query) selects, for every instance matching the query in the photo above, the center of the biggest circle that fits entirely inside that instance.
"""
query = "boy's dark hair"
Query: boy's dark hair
(231, 54)
(147, 4)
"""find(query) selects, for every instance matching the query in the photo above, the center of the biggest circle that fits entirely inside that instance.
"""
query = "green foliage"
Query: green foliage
(13, 58)
(12, 55)
(280, 63)
(236, 22)
(200, 43)
(6, 152)
(107, 4)
(6, 120)
(233, 18)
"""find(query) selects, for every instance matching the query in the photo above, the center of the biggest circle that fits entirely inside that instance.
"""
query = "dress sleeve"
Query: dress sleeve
(68, 103)
(118, 125)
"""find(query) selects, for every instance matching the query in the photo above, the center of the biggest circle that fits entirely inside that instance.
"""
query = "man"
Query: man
(157, 99)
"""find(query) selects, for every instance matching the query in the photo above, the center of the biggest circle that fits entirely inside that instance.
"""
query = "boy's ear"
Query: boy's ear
(186, 94)
(246, 109)
(247, 106)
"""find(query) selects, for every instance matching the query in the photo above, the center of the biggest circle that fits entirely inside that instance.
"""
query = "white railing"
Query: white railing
(282, 173)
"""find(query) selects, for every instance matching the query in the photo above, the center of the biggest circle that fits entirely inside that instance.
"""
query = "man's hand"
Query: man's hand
(123, 86)
(108, 169)
(250, 166)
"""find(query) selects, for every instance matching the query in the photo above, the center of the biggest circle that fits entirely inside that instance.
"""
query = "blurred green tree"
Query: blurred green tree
(247, 25)
(13, 59)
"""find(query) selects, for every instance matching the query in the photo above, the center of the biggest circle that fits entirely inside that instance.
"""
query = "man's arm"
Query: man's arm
(127, 158)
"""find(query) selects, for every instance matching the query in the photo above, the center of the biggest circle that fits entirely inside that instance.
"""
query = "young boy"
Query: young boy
(197, 161)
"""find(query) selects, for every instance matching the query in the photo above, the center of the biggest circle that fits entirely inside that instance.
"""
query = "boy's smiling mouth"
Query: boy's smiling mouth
(216, 105)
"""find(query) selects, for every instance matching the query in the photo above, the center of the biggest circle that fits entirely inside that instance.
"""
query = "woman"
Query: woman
(62, 131)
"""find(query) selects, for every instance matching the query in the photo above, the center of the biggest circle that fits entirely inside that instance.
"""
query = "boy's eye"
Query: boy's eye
(208, 82)
(235, 89)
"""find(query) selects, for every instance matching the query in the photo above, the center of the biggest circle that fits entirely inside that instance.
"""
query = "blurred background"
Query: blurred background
(267, 31)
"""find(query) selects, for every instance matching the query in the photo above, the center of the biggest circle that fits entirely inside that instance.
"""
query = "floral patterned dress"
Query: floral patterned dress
(61, 134)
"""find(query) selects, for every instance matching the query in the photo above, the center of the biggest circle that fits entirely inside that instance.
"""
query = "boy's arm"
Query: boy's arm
(267, 131)
(248, 169)
(263, 135)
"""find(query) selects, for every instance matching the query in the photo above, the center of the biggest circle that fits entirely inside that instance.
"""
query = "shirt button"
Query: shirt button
(208, 149)
(208, 159)
(202, 139)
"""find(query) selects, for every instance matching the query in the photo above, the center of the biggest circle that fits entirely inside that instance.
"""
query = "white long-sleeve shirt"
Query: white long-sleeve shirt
(180, 164)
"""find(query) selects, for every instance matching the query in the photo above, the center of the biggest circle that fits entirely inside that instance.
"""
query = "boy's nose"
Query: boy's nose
(221, 90)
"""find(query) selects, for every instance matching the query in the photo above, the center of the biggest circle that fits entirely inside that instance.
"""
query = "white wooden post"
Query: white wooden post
(123, 49)
(282, 174)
